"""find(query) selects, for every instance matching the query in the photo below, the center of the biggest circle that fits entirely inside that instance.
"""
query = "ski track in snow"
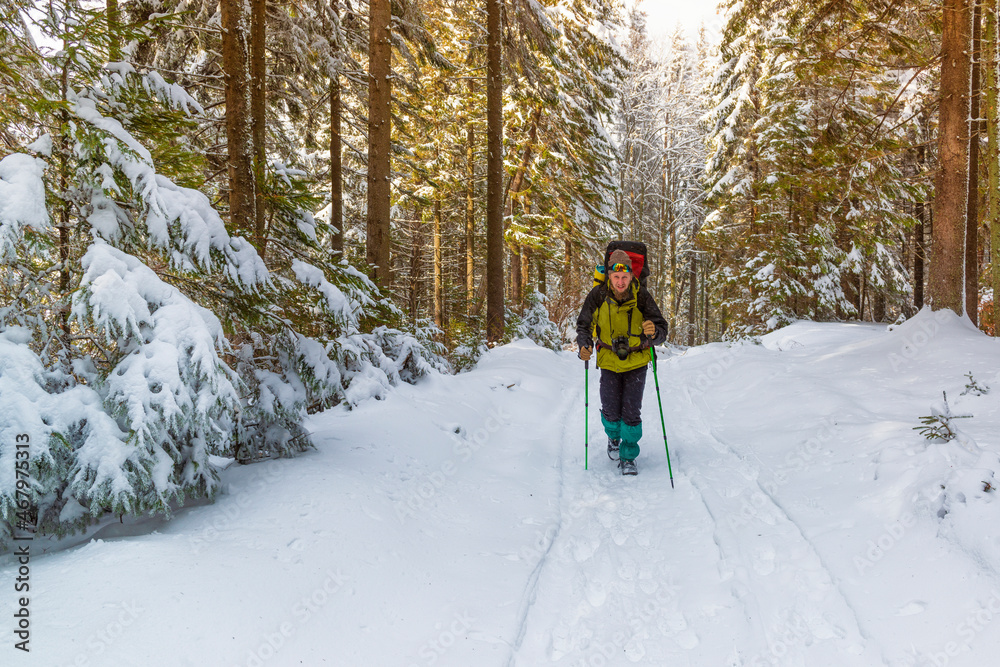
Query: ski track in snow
(753, 559)
(609, 592)
(530, 593)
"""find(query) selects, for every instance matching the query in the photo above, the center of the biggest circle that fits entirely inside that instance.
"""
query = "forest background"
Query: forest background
(216, 218)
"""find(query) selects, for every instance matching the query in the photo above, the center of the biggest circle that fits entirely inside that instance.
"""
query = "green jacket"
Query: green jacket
(603, 318)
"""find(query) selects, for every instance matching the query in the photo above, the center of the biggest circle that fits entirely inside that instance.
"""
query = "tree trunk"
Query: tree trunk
(661, 250)
(416, 248)
(972, 207)
(236, 75)
(878, 306)
(693, 301)
(990, 41)
(947, 268)
(258, 91)
(525, 272)
(438, 272)
(919, 254)
(515, 276)
(65, 239)
(921, 213)
(704, 306)
(470, 220)
(379, 141)
(336, 158)
(494, 176)
(542, 278)
(672, 318)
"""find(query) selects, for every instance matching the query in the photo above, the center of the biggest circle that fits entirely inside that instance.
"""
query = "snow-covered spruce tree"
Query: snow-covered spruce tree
(147, 337)
(536, 325)
(806, 189)
(147, 359)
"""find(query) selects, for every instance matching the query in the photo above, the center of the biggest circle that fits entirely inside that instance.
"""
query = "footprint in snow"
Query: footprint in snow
(596, 593)
(687, 640)
(646, 583)
(676, 622)
(763, 561)
(726, 570)
(619, 535)
(912, 608)
(560, 643)
(627, 570)
(634, 650)
(583, 549)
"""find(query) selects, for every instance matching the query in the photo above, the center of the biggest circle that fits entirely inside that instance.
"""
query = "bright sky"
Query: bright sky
(665, 14)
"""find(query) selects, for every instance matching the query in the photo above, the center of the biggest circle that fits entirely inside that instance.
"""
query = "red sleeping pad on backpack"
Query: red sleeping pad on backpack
(636, 250)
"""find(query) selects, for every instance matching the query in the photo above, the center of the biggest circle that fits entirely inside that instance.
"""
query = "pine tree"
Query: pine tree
(947, 282)
(239, 123)
(379, 140)
(992, 157)
(494, 175)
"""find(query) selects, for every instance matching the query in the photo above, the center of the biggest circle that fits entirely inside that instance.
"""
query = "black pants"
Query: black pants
(621, 395)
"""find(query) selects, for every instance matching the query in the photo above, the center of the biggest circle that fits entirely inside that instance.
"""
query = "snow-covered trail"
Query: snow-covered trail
(780, 544)
(454, 524)
(642, 573)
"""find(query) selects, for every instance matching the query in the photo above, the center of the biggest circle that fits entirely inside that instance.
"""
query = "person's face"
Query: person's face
(620, 281)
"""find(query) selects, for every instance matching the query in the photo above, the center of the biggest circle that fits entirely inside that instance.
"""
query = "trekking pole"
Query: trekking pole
(586, 411)
(652, 356)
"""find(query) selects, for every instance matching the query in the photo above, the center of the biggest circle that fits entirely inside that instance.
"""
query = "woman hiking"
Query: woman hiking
(621, 315)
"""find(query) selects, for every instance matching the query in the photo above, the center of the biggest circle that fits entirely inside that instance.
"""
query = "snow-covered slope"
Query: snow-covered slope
(454, 524)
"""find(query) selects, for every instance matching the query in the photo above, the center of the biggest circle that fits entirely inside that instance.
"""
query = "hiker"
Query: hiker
(627, 322)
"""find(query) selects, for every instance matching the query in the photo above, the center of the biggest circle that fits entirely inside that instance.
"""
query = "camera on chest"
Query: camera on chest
(621, 347)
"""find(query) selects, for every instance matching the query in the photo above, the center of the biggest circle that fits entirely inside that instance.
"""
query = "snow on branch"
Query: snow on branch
(169, 388)
(22, 200)
(179, 220)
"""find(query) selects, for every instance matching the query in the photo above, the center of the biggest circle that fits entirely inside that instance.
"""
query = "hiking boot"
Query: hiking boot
(628, 467)
(613, 448)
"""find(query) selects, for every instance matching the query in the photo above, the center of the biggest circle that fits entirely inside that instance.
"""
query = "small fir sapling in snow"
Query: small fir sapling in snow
(974, 388)
(937, 425)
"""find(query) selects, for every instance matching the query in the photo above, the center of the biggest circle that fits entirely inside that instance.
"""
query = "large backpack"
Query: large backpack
(636, 250)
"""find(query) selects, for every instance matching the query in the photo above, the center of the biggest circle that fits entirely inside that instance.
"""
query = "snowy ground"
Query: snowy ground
(454, 524)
